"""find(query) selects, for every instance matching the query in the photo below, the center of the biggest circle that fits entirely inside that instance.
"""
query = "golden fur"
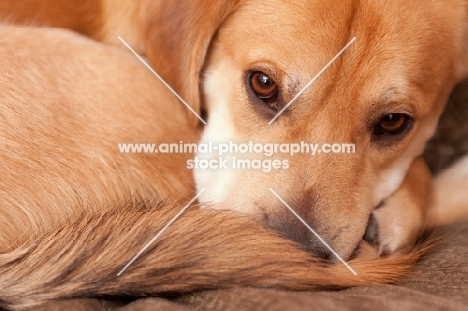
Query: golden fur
(203, 250)
(389, 69)
(75, 210)
(63, 116)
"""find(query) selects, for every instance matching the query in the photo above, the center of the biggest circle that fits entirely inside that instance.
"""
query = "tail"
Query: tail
(203, 249)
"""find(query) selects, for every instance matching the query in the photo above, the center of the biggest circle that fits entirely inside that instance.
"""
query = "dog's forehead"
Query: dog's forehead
(394, 39)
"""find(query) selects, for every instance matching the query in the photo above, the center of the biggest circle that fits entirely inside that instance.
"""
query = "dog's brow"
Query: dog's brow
(391, 104)
(313, 79)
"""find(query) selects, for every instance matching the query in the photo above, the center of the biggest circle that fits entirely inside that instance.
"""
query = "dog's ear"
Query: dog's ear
(464, 59)
(462, 66)
(177, 37)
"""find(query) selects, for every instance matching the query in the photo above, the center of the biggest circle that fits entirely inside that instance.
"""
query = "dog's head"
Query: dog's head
(243, 61)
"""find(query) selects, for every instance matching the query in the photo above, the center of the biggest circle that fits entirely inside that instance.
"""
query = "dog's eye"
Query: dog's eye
(392, 124)
(264, 87)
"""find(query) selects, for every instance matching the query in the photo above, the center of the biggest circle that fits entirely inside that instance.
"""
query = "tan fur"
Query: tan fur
(122, 18)
(64, 238)
(103, 20)
(63, 115)
(389, 69)
(179, 33)
(403, 215)
(78, 234)
(204, 249)
(451, 203)
(82, 16)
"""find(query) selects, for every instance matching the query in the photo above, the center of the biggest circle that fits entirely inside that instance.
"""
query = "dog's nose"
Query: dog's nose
(288, 226)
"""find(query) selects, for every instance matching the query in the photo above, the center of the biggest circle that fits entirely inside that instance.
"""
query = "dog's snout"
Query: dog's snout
(371, 234)
(289, 227)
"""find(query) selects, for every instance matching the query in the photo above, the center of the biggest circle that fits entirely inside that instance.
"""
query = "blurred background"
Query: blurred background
(450, 142)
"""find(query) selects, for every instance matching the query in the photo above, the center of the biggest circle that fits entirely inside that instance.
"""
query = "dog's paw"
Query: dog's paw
(394, 228)
(365, 250)
(396, 224)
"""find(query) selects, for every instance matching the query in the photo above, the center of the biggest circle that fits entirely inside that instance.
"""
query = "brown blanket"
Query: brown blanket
(438, 282)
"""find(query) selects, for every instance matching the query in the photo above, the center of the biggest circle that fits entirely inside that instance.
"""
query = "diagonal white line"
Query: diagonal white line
(160, 232)
(313, 80)
(313, 231)
(162, 80)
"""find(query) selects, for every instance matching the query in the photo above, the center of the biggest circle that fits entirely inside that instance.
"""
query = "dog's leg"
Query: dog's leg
(395, 226)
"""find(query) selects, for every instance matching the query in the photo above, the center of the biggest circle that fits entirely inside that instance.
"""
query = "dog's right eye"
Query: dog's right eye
(264, 88)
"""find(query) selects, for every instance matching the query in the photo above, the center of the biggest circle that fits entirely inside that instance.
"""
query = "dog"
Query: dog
(59, 140)
(450, 205)
(76, 210)
(395, 110)
(396, 102)
(102, 20)
(385, 95)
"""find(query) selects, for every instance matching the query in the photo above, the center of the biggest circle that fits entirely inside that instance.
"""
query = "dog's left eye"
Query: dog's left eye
(264, 88)
(392, 124)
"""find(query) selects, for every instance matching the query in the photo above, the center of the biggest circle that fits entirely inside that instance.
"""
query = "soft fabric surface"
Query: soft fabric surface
(438, 282)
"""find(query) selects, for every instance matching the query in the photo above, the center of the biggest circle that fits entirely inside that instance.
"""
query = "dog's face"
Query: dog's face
(384, 95)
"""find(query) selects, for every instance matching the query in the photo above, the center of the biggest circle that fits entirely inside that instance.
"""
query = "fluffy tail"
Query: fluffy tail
(203, 249)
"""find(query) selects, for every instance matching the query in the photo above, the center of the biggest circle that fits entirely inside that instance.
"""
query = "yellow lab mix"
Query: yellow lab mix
(75, 210)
